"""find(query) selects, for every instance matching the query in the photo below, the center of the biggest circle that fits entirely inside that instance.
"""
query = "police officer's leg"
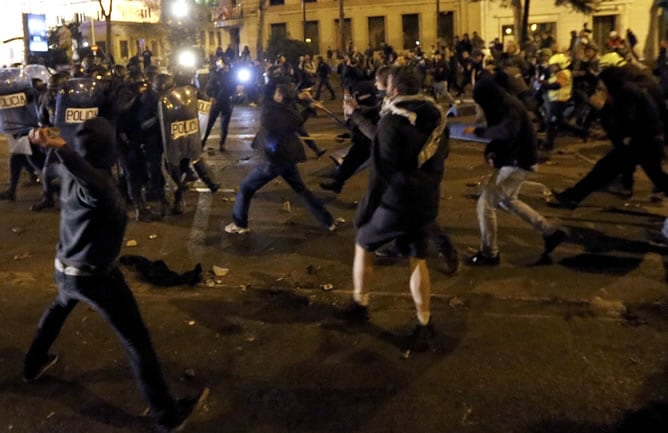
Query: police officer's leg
(213, 115)
(225, 117)
(204, 174)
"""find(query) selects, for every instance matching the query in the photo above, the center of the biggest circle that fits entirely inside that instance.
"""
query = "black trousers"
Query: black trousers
(224, 110)
(110, 296)
(617, 161)
(358, 154)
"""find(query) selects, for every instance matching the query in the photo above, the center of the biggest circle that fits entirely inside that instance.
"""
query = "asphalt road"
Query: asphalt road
(575, 345)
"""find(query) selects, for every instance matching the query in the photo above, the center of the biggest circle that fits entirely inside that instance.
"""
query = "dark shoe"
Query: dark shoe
(44, 203)
(190, 175)
(185, 408)
(479, 259)
(449, 262)
(221, 148)
(353, 312)
(8, 195)
(332, 186)
(179, 207)
(204, 174)
(320, 152)
(421, 338)
(552, 241)
(389, 250)
(34, 370)
(621, 191)
(561, 200)
(144, 214)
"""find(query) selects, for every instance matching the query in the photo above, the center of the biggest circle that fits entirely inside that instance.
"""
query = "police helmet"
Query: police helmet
(162, 82)
(611, 59)
(561, 60)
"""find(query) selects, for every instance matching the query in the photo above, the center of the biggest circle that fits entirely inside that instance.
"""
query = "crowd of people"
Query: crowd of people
(75, 127)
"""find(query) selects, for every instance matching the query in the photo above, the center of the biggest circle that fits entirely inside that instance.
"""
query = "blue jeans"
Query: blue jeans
(110, 296)
(265, 173)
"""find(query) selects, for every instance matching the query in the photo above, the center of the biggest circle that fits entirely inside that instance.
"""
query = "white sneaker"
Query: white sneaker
(235, 229)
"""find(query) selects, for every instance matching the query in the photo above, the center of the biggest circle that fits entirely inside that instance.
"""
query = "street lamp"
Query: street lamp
(180, 9)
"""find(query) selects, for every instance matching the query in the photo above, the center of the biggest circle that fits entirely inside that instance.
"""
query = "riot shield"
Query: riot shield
(39, 72)
(18, 103)
(203, 110)
(78, 100)
(179, 124)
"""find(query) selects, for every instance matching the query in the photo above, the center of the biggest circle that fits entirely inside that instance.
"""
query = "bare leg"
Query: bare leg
(362, 273)
(420, 288)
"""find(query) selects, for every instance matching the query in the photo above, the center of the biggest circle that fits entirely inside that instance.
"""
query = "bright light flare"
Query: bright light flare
(244, 75)
(187, 59)
(180, 9)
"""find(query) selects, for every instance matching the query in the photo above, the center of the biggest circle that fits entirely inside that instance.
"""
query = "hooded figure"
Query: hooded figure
(512, 153)
(92, 225)
(633, 125)
(513, 141)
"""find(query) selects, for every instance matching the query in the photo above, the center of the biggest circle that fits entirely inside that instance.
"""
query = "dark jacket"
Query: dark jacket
(399, 179)
(513, 140)
(630, 117)
(277, 136)
(221, 86)
(92, 210)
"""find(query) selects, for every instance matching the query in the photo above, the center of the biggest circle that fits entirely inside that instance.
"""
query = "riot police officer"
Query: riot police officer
(220, 87)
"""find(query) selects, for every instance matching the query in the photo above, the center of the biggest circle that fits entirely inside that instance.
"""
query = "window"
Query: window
(279, 30)
(347, 33)
(446, 28)
(212, 43)
(311, 36)
(410, 26)
(310, 1)
(125, 52)
(276, 2)
(219, 39)
(376, 32)
(154, 48)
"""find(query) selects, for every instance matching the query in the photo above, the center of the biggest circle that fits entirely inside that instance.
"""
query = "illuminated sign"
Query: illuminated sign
(36, 32)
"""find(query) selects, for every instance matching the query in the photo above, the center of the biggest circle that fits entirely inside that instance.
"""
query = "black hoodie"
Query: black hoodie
(513, 140)
(92, 210)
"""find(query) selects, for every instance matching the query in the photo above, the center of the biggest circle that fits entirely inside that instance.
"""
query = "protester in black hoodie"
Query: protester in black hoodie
(632, 121)
(512, 153)
(92, 225)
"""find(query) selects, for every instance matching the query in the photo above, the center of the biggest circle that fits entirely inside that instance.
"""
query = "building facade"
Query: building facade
(403, 24)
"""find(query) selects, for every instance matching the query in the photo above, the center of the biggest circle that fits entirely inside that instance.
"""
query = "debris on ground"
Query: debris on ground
(608, 308)
(327, 287)
(153, 236)
(131, 243)
(287, 206)
(220, 271)
(23, 256)
(17, 230)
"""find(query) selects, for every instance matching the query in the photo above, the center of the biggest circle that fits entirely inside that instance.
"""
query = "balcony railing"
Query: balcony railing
(228, 16)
